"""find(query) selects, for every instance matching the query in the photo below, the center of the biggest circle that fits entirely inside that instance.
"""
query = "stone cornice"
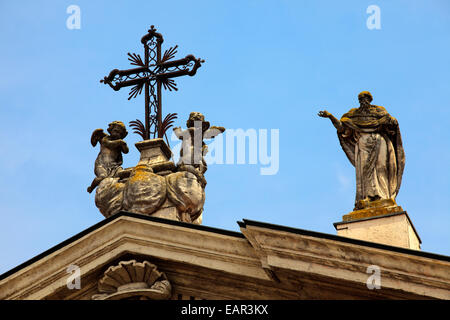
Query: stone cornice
(264, 262)
(125, 234)
(337, 260)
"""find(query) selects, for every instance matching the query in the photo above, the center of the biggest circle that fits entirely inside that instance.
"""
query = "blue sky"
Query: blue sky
(269, 65)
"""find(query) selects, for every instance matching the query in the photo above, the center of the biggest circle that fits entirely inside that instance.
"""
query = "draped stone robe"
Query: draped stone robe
(372, 142)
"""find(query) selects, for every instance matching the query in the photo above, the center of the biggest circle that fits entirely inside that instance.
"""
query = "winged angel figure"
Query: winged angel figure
(193, 148)
(109, 159)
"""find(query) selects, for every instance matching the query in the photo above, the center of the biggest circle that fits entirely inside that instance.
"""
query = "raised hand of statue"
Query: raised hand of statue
(336, 123)
(324, 114)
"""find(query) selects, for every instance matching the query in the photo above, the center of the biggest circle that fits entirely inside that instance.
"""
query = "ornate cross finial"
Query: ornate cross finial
(151, 74)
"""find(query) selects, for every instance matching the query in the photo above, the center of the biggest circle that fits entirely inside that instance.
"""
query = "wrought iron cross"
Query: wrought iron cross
(152, 73)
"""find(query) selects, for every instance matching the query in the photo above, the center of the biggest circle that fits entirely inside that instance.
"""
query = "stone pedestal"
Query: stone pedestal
(154, 187)
(395, 228)
(156, 154)
(366, 209)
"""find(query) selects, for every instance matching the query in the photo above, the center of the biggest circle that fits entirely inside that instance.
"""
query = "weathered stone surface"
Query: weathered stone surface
(374, 209)
(145, 191)
(109, 196)
(133, 280)
(186, 193)
(395, 229)
(270, 262)
(156, 154)
(170, 213)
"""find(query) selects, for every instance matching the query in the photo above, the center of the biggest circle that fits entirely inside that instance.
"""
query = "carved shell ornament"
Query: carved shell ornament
(133, 280)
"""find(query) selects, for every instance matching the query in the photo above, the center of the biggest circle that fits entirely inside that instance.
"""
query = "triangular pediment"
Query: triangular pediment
(262, 262)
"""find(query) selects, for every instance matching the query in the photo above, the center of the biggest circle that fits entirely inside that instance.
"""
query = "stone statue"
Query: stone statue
(193, 148)
(155, 186)
(370, 137)
(109, 160)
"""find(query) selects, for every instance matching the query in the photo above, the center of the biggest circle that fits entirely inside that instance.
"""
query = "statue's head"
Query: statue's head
(197, 116)
(365, 98)
(117, 130)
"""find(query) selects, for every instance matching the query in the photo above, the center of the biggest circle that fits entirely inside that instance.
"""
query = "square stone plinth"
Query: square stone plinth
(156, 154)
(394, 229)
(153, 151)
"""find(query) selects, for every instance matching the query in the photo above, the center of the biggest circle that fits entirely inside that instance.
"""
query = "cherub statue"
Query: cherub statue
(109, 159)
(193, 148)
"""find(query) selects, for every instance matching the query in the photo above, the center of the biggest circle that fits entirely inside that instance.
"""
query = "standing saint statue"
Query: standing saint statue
(370, 137)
